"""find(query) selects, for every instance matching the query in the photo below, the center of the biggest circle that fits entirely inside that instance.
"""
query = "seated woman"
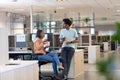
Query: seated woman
(40, 53)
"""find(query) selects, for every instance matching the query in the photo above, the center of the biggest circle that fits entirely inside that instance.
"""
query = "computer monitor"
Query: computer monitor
(21, 42)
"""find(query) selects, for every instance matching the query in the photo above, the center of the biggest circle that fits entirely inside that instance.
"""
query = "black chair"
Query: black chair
(40, 63)
(42, 77)
(43, 62)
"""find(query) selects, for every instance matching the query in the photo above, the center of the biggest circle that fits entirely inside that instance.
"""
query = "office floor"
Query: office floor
(90, 72)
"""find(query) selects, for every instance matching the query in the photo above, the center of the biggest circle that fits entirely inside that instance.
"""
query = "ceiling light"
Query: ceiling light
(19, 9)
(118, 10)
(117, 5)
(61, 0)
(2, 1)
(60, 7)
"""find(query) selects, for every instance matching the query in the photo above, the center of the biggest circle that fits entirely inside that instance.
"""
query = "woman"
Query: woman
(40, 53)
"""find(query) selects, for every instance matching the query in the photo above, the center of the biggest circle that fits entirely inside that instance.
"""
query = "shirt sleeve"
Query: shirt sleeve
(61, 35)
(76, 34)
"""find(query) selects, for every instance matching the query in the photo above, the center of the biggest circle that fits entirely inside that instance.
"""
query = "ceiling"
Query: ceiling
(109, 9)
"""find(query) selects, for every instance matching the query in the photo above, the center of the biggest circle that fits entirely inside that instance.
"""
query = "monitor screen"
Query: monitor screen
(93, 37)
(21, 41)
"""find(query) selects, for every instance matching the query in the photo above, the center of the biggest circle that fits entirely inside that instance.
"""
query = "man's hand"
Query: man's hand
(63, 39)
(68, 42)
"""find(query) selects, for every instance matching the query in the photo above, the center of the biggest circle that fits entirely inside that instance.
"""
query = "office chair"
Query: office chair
(43, 62)
(42, 77)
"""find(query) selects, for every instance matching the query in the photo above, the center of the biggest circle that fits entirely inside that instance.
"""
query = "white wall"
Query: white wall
(4, 30)
(4, 46)
(18, 28)
(5, 21)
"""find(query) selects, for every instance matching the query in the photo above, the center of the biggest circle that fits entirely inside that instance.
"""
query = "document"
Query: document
(20, 38)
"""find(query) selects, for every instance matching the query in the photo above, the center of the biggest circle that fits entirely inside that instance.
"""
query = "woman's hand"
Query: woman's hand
(45, 40)
(47, 47)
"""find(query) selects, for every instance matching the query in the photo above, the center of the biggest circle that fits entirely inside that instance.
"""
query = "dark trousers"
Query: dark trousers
(67, 54)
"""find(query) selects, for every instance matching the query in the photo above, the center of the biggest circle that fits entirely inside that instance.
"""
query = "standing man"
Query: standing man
(68, 37)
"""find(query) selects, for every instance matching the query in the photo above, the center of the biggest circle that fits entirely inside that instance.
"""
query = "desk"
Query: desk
(106, 46)
(26, 70)
(93, 53)
(16, 54)
(77, 64)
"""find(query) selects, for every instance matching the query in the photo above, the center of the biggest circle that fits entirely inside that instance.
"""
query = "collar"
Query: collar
(69, 29)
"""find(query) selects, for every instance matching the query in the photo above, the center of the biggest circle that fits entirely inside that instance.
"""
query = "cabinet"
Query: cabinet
(11, 39)
(86, 40)
(91, 53)
(77, 64)
(54, 41)
(106, 46)
(26, 70)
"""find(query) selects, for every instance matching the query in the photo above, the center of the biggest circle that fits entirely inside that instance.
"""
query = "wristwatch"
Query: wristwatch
(71, 42)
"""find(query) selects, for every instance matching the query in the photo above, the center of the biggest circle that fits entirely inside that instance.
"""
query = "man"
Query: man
(68, 37)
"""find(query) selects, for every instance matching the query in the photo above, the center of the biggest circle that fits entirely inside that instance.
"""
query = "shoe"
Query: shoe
(56, 78)
(65, 78)
(61, 68)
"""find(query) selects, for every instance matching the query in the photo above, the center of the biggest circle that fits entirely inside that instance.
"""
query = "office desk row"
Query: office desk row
(24, 55)
(20, 54)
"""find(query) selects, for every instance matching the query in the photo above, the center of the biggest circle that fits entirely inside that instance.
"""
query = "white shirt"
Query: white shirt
(70, 35)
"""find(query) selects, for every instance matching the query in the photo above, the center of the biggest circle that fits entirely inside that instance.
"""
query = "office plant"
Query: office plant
(115, 38)
(105, 38)
(71, 19)
(116, 35)
(31, 45)
(106, 67)
(86, 20)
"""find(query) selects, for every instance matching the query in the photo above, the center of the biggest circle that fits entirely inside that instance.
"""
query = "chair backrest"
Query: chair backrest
(34, 57)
